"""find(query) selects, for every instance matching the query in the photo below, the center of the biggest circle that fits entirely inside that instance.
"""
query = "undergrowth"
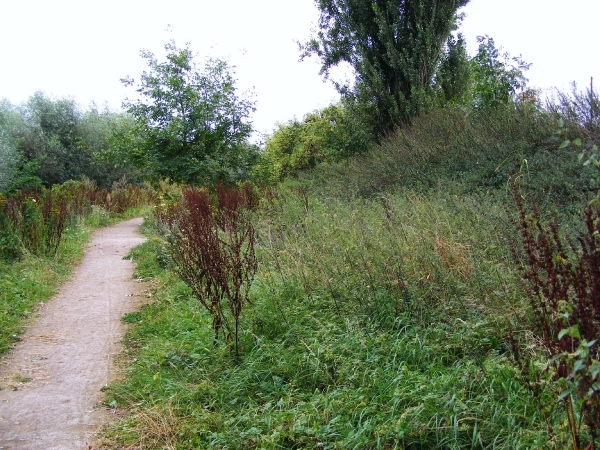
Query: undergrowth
(382, 307)
(468, 152)
(375, 324)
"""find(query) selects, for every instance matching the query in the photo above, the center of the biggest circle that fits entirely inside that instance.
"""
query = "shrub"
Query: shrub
(326, 135)
(563, 287)
(212, 245)
(580, 110)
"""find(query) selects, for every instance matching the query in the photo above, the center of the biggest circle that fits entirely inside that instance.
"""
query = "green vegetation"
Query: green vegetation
(388, 302)
(498, 78)
(396, 292)
(42, 234)
(191, 126)
(395, 49)
(485, 86)
(327, 135)
(50, 141)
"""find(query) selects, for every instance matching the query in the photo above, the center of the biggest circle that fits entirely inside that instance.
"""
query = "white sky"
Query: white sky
(80, 48)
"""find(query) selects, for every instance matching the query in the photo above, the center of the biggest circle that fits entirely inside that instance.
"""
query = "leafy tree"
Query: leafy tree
(8, 161)
(95, 137)
(125, 146)
(497, 76)
(455, 74)
(16, 170)
(324, 135)
(9, 155)
(49, 137)
(393, 46)
(46, 141)
(192, 126)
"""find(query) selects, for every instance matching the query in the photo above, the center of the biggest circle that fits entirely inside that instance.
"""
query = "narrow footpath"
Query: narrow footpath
(50, 383)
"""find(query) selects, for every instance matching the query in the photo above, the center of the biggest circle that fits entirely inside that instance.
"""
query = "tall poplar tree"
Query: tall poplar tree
(394, 47)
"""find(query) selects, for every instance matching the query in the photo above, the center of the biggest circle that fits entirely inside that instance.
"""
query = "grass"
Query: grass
(33, 279)
(341, 348)
(381, 310)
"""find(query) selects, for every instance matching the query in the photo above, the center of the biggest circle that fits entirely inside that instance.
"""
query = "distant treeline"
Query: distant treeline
(47, 141)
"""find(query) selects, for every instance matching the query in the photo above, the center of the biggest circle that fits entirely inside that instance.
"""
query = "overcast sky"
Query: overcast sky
(80, 49)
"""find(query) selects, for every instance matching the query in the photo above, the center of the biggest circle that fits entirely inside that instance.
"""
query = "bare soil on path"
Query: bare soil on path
(51, 381)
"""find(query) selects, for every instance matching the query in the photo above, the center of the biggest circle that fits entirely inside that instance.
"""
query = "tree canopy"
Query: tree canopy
(394, 47)
(192, 125)
(47, 141)
(497, 76)
(324, 135)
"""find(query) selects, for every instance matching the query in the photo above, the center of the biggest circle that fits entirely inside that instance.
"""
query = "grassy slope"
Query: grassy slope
(385, 292)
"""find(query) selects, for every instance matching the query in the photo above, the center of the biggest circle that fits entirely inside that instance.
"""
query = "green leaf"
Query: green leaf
(554, 359)
(565, 144)
(579, 366)
(594, 369)
(577, 142)
(564, 394)
(561, 123)
(572, 331)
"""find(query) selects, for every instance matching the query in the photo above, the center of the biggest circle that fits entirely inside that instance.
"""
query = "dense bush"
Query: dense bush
(468, 152)
(326, 135)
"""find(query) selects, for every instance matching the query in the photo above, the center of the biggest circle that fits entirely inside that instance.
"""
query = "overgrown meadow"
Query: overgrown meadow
(390, 296)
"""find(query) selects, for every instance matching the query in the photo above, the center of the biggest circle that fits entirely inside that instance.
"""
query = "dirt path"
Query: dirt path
(51, 381)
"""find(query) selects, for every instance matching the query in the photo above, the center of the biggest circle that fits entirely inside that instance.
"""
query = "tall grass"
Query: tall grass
(402, 254)
(376, 323)
(382, 306)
